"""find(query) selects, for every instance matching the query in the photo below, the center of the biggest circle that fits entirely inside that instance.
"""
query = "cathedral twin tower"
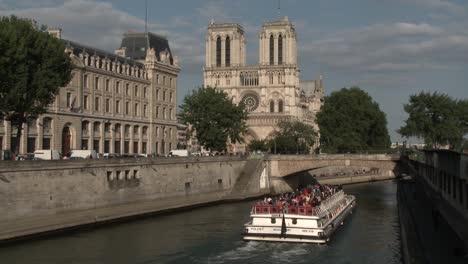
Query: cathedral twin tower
(271, 89)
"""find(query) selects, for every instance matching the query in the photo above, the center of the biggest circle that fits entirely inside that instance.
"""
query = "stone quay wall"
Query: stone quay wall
(41, 196)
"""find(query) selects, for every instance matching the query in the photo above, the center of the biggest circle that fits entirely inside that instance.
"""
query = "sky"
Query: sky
(389, 48)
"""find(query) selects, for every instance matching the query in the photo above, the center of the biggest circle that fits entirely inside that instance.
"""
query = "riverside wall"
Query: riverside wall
(41, 196)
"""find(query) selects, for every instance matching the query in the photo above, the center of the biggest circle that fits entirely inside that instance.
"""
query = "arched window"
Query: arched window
(280, 106)
(135, 131)
(272, 50)
(117, 129)
(218, 51)
(96, 127)
(85, 127)
(280, 50)
(228, 51)
(272, 106)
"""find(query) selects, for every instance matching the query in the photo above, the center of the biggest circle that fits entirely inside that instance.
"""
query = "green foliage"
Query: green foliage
(293, 137)
(436, 118)
(33, 66)
(213, 117)
(258, 145)
(350, 121)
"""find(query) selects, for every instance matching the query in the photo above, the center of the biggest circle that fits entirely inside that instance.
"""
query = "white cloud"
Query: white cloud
(438, 4)
(390, 48)
(101, 25)
(215, 11)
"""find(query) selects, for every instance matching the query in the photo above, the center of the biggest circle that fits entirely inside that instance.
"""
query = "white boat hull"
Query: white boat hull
(298, 233)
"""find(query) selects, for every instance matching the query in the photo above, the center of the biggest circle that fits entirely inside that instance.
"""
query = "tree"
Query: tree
(293, 137)
(436, 118)
(350, 121)
(258, 145)
(33, 66)
(213, 118)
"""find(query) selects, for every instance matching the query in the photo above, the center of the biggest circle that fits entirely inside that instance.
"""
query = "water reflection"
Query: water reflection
(212, 235)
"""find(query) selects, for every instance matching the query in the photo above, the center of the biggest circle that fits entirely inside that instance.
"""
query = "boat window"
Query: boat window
(273, 220)
(294, 221)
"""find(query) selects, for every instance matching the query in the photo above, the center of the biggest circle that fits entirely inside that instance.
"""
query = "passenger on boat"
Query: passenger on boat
(312, 195)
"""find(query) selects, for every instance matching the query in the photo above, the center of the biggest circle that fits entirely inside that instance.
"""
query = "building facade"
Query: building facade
(271, 90)
(115, 103)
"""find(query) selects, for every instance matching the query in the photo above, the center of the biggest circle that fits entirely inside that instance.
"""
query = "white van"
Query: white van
(179, 153)
(46, 154)
(82, 154)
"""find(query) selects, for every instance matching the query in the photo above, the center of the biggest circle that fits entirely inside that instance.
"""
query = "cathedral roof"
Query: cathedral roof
(280, 22)
(137, 43)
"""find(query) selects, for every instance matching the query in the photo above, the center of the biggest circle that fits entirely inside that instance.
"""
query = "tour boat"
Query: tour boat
(302, 224)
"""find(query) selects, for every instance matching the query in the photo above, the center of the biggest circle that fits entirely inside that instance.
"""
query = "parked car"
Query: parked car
(110, 155)
(82, 154)
(47, 154)
(27, 156)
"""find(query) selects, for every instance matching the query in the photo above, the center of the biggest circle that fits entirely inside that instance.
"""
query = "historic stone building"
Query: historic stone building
(271, 90)
(115, 103)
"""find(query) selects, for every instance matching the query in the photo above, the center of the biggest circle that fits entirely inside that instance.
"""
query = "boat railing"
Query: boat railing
(296, 210)
(330, 202)
(325, 207)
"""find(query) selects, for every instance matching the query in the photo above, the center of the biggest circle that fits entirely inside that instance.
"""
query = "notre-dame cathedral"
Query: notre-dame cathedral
(270, 90)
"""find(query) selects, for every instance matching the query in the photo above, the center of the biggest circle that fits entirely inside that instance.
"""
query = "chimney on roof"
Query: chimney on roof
(55, 32)
(122, 52)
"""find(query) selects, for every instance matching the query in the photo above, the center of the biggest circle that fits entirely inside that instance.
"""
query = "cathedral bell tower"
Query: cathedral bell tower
(225, 45)
(278, 43)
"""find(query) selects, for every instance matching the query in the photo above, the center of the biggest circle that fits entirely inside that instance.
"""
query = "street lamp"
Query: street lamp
(274, 141)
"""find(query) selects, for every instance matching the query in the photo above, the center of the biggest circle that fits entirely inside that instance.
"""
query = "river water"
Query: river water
(212, 235)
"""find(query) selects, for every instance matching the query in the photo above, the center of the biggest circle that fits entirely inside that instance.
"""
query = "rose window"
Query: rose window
(250, 102)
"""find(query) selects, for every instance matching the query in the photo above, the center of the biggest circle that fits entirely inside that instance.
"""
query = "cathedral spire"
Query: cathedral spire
(279, 8)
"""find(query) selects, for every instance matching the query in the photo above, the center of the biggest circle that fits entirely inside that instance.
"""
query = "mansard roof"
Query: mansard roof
(137, 43)
(78, 48)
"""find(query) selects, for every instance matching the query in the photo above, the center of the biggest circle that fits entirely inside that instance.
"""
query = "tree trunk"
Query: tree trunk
(18, 136)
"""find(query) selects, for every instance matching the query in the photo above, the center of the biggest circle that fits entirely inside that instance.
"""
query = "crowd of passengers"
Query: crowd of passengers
(312, 195)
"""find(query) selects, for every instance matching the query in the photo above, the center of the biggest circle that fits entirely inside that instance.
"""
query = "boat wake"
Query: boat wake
(253, 251)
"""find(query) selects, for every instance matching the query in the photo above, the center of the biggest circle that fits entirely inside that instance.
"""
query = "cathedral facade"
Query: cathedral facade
(270, 90)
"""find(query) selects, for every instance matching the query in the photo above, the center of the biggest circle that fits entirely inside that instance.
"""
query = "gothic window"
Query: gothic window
(271, 77)
(272, 106)
(228, 51)
(280, 106)
(250, 102)
(280, 50)
(218, 51)
(272, 50)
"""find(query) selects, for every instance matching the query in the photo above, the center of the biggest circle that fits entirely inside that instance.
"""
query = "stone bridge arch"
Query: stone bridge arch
(281, 167)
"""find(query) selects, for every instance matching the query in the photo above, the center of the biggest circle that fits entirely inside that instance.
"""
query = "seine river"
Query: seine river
(212, 235)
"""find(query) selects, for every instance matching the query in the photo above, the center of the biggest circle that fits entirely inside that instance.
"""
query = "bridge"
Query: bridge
(287, 171)
(286, 165)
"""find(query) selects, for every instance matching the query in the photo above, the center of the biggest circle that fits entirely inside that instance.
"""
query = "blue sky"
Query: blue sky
(389, 48)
